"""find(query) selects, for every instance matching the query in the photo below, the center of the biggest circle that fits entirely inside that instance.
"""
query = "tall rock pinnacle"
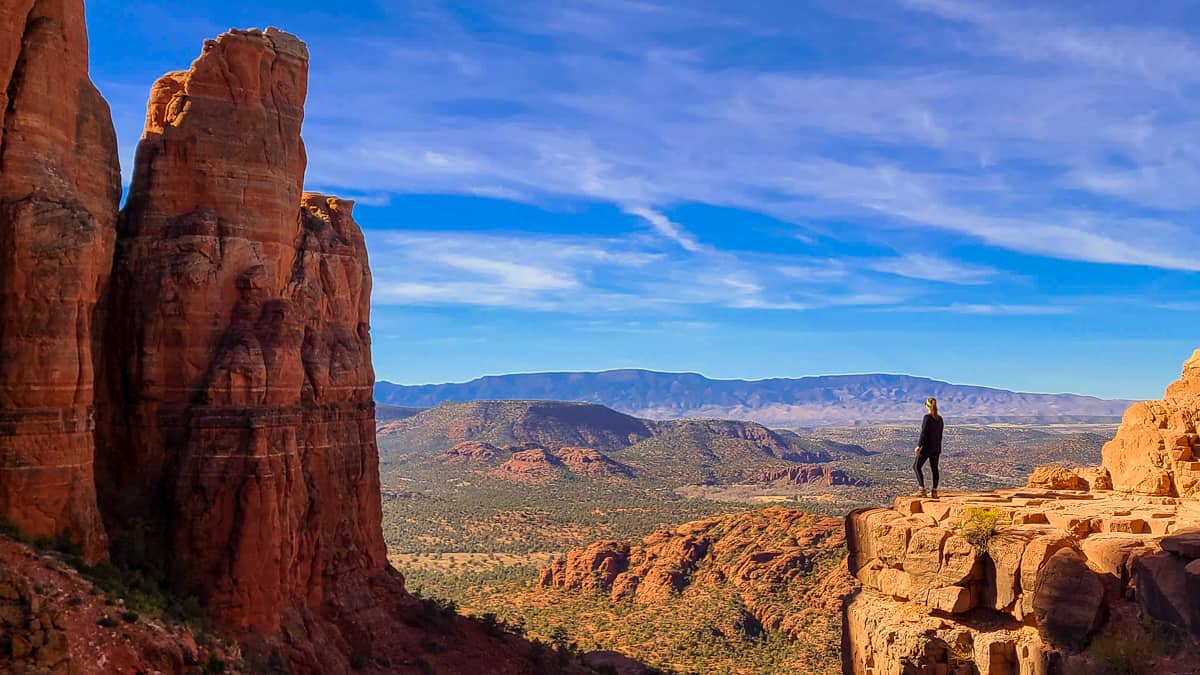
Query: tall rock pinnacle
(241, 427)
(59, 191)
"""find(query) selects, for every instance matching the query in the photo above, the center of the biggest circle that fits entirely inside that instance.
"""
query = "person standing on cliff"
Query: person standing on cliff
(929, 446)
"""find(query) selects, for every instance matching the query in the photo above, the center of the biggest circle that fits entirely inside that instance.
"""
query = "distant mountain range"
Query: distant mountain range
(487, 433)
(797, 402)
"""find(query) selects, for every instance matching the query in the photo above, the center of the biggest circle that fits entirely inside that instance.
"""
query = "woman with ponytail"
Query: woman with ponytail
(929, 447)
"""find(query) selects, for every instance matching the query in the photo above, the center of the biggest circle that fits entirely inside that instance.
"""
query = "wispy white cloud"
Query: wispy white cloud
(1156, 54)
(984, 309)
(667, 228)
(933, 268)
(1039, 131)
(566, 273)
(983, 153)
(1185, 307)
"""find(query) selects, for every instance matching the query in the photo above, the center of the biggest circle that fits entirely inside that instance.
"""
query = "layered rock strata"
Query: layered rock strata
(59, 190)
(804, 475)
(1157, 449)
(1020, 580)
(241, 411)
(204, 360)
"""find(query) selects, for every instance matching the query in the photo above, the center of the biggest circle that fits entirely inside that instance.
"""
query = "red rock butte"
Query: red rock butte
(240, 395)
(191, 378)
(1077, 554)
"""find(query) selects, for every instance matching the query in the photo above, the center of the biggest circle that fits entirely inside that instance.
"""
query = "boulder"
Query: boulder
(1096, 478)
(961, 562)
(1068, 600)
(1113, 554)
(1002, 565)
(1056, 478)
(1168, 589)
(1037, 552)
(923, 558)
(1185, 544)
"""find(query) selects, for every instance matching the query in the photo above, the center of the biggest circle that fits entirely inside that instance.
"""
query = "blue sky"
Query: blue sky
(988, 193)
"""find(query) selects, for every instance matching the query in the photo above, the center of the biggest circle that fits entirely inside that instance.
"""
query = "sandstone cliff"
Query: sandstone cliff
(804, 475)
(59, 190)
(240, 411)
(1058, 575)
(195, 372)
(1157, 451)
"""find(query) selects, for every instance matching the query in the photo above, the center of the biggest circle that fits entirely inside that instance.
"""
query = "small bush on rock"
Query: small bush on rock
(978, 525)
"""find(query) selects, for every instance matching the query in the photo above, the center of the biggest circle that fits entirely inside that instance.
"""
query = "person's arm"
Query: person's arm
(924, 432)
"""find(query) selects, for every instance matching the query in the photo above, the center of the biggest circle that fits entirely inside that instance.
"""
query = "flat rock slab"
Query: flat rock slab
(1185, 544)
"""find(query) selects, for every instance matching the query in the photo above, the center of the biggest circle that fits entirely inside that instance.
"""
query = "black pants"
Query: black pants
(933, 468)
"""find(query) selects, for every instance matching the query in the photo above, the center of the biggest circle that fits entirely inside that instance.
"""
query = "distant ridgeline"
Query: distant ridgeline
(807, 401)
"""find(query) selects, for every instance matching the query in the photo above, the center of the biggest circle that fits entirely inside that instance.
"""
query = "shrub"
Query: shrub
(107, 621)
(1129, 652)
(492, 625)
(8, 529)
(215, 665)
(129, 617)
(978, 525)
(275, 662)
(434, 613)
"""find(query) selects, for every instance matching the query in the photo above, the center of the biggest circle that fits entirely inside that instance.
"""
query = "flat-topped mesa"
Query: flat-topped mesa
(1157, 449)
(59, 191)
(239, 420)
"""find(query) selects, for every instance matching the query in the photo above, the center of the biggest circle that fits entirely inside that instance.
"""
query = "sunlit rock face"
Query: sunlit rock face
(1157, 450)
(1079, 553)
(239, 433)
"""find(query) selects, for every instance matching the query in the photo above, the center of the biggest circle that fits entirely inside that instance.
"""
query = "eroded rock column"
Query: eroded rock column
(239, 444)
(59, 191)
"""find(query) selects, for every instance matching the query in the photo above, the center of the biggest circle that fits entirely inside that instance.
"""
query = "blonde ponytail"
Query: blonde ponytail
(931, 406)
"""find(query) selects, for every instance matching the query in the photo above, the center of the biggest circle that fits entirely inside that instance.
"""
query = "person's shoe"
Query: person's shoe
(920, 493)
(935, 493)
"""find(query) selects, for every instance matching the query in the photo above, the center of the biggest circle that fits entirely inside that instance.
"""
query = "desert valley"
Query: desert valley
(199, 472)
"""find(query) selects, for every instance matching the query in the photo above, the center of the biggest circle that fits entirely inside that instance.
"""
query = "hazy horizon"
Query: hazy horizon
(750, 379)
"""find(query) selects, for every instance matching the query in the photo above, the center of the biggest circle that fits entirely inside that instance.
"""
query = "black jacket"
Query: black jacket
(931, 435)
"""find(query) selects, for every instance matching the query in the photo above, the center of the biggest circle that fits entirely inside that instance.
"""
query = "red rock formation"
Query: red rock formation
(472, 451)
(54, 622)
(591, 463)
(1157, 449)
(1070, 559)
(756, 554)
(59, 190)
(235, 436)
(803, 475)
(594, 567)
(1056, 478)
(241, 407)
(535, 465)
